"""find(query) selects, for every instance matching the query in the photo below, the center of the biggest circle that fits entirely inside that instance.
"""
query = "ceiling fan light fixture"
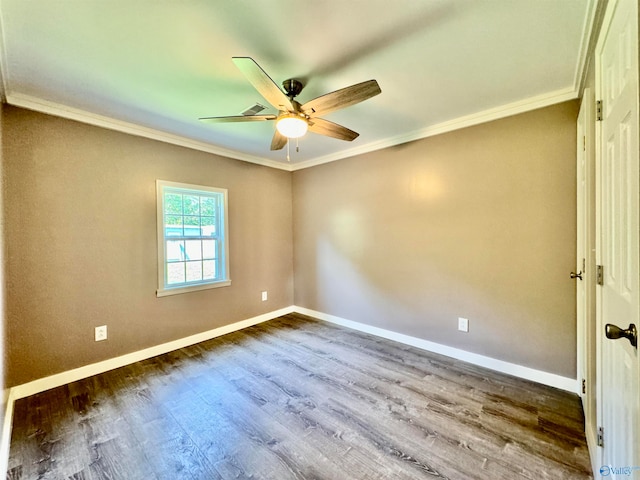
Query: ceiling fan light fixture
(292, 126)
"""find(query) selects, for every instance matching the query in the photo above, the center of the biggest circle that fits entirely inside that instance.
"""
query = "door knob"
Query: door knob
(613, 332)
(576, 275)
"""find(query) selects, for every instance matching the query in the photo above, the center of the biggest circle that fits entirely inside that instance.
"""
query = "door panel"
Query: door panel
(619, 245)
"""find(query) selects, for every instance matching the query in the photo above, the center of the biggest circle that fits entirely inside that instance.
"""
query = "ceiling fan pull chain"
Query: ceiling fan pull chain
(297, 146)
(288, 157)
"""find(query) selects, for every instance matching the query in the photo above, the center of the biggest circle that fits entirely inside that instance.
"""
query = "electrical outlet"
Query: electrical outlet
(264, 296)
(463, 324)
(101, 333)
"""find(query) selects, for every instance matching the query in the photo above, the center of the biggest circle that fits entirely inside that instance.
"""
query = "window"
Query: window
(192, 238)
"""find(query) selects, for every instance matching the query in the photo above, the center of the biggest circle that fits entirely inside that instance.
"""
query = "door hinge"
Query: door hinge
(600, 437)
(584, 386)
(599, 110)
(599, 275)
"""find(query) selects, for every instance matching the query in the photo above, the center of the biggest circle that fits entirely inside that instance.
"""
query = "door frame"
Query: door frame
(586, 314)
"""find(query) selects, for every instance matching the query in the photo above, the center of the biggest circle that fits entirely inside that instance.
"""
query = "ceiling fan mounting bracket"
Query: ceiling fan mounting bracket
(293, 87)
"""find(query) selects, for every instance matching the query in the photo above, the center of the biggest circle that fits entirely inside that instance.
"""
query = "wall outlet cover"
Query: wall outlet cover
(101, 333)
(463, 324)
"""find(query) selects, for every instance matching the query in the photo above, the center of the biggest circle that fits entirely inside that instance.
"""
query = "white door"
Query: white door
(619, 247)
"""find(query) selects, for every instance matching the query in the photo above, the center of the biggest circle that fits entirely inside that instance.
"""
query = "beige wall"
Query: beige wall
(81, 236)
(3, 318)
(478, 223)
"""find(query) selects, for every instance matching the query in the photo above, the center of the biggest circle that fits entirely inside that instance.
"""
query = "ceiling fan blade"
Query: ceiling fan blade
(263, 83)
(238, 118)
(278, 141)
(341, 98)
(330, 129)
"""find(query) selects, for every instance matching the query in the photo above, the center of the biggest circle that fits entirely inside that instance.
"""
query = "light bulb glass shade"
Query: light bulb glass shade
(292, 126)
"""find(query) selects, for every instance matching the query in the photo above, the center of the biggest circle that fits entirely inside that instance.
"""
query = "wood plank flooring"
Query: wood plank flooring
(295, 398)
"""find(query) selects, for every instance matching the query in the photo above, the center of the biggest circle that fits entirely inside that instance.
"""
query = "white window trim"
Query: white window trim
(164, 291)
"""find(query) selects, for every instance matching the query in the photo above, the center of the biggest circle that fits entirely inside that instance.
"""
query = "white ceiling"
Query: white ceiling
(152, 67)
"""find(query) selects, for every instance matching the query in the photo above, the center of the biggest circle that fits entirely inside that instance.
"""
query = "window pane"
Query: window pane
(173, 203)
(175, 250)
(208, 226)
(194, 271)
(175, 273)
(207, 206)
(194, 249)
(173, 226)
(191, 226)
(191, 205)
(209, 270)
(209, 249)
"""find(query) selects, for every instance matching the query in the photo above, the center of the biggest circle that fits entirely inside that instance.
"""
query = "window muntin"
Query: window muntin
(192, 238)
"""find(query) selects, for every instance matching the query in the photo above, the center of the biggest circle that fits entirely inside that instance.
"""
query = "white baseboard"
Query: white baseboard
(59, 379)
(594, 451)
(5, 440)
(46, 383)
(538, 376)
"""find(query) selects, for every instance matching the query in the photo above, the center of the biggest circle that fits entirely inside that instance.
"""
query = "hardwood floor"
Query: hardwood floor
(296, 398)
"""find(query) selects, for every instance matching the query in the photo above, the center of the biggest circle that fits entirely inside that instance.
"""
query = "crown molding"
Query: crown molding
(590, 30)
(59, 110)
(521, 106)
(587, 41)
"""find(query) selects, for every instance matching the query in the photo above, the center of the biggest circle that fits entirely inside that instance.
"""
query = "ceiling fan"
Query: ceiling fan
(294, 119)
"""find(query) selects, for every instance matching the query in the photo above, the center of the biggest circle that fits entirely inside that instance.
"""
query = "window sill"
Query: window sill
(192, 288)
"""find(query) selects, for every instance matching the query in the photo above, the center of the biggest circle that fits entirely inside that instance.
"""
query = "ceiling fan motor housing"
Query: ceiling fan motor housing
(293, 87)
